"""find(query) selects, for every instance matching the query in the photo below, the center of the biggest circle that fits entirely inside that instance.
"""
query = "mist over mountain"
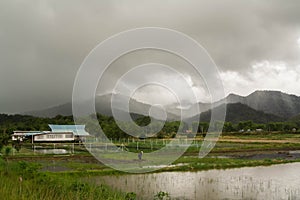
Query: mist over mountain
(259, 106)
(102, 106)
(63, 109)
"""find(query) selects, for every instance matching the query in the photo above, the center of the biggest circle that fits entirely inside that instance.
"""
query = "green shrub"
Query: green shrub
(28, 170)
(162, 196)
(130, 196)
(7, 151)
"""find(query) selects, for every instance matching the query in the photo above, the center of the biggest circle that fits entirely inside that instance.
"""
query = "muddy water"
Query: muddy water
(273, 182)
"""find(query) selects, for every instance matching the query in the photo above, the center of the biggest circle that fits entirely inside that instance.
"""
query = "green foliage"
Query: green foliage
(28, 170)
(162, 196)
(17, 145)
(235, 122)
(161, 134)
(10, 123)
(228, 127)
(22, 180)
(203, 127)
(170, 127)
(143, 121)
(245, 125)
(130, 196)
(78, 186)
(4, 138)
(7, 151)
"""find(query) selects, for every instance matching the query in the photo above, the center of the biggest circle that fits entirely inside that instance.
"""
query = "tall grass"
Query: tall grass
(21, 180)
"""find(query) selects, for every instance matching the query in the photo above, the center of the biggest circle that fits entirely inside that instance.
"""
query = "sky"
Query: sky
(255, 44)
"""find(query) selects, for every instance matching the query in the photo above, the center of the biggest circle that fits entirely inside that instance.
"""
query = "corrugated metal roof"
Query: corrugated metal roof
(78, 130)
(26, 133)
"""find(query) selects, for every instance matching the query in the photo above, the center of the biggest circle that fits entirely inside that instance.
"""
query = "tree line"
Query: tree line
(10, 123)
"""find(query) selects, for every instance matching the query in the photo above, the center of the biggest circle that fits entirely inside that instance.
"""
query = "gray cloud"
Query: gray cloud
(43, 43)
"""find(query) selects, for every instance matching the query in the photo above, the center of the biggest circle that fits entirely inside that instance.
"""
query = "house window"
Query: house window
(50, 136)
(40, 137)
(58, 136)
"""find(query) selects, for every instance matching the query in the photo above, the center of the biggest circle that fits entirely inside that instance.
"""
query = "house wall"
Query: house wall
(54, 137)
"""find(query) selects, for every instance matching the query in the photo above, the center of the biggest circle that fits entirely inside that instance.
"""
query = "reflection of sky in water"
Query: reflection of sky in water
(274, 182)
(51, 151)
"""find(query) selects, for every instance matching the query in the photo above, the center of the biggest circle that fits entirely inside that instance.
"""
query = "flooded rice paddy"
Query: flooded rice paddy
(272, 182)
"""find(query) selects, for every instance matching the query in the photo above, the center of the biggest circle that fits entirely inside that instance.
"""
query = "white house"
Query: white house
(58, 133)
(78, 131)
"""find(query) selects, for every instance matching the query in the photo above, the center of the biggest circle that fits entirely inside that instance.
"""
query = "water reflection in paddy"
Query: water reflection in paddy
(51, 151)
(273, 182)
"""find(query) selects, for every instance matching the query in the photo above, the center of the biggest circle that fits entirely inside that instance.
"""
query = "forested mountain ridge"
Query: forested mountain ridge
(270, 102)
(236, 112)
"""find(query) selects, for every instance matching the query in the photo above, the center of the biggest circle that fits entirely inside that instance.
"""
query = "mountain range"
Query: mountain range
(259, 106)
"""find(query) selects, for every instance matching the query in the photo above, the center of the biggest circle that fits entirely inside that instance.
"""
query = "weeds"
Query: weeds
(23, 181)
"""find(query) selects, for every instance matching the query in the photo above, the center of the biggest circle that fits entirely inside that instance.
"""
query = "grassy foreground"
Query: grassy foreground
(24, 180)
(21, 180)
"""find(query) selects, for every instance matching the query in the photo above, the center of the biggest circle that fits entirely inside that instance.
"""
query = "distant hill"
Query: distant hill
(103, 106)
(237, 112)
(64, 110)
(272, 102)
(295, 118)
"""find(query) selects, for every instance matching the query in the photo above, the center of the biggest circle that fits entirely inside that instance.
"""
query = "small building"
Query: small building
(21, 135)
(58, 133)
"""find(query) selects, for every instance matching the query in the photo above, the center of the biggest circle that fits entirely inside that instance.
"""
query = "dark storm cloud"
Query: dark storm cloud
(43, 43)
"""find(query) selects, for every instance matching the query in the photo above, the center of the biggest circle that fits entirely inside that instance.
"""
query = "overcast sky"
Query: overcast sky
(255, 44)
